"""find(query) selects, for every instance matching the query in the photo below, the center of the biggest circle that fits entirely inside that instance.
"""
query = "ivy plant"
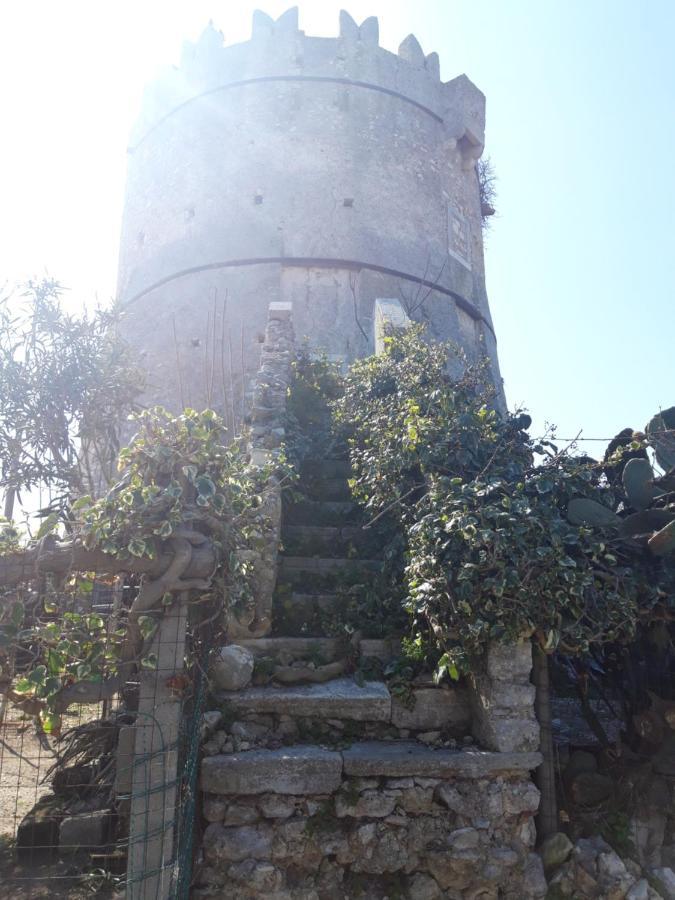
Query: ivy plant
(181, 479)
(491, 551)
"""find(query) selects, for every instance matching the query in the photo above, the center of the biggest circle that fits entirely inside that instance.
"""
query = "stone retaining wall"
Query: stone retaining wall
(339, 790)
(372, 821)
(335, 712)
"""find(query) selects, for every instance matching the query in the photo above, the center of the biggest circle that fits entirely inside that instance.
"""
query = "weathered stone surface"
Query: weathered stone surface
(232, 668)
(611, 867)
(239, 813)
(416, 800)
(464, 839)
(423, 887)
(434, 708)
(454, 799)
(504, 734)
(524, 798)
(388, 853)
(534, 885)
(296, 770)
(509, 662)
(210, 721)
(262, 877)
(295, 568)
(647, 826)
(223, 844)
(401, 758)
(504, 694)
(429, 737)
(328, 648)
(457, 871)
(372, 804)
(663, 880)
(249, 731)
(555, 850)
(639, 891)
(213, 808)
(84, 831)
(595, 870)
(341, 698)
(274, 806)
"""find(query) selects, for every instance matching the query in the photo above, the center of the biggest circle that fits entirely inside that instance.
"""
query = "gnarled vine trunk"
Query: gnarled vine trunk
(547, 820)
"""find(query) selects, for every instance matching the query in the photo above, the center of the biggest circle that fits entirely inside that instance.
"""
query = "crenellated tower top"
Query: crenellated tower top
(279, 49)
(324, 172)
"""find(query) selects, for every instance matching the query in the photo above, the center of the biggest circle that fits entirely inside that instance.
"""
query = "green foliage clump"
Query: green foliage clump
(178, 472)
(9, 537)
(181, 478)
(310, 431)
(490, 550)
(66, 381)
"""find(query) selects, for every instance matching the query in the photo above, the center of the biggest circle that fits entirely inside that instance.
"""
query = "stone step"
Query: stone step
(432, 708)
(326, 489)
(290, 770)
(299, 570)
(301, 769)
(320, 512)
(404, 758)
(299, 613)
(341, 698)
(327, 648)
(326, 468)
(324, 539)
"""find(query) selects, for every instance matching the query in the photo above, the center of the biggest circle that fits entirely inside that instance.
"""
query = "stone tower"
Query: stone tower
(325, 172)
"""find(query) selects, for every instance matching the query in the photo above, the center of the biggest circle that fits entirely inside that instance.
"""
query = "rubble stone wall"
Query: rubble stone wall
(366, 826)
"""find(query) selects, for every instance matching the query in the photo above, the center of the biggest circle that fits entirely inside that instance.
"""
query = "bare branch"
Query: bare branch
(352, 288)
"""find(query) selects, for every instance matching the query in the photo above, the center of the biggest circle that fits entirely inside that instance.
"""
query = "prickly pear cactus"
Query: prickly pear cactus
(584, 511)
(645, 500)
(661, 436)
(638, 483)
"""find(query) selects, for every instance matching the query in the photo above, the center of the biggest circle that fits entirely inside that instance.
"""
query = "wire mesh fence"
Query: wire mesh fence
(101, 797)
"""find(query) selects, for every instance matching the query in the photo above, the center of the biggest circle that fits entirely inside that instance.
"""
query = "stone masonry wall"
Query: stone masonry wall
(410, 823)
(502, 699)
(268, 418)
(336, 790)
(325, 172)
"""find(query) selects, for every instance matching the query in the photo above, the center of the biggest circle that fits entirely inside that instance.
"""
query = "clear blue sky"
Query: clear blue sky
(581, 130)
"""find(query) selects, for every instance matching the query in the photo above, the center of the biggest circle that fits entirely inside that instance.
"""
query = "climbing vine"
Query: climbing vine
(183, 515)
(496, 549)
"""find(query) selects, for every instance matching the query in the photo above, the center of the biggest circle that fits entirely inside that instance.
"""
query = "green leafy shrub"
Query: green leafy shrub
(491, 551)
(181, 478)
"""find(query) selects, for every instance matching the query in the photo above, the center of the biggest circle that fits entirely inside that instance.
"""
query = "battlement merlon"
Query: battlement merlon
(279, 50)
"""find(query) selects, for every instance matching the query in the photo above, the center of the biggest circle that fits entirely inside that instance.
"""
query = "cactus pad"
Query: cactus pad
(645, 522)
(661, 435)
(663, 542)
(638, 482)
(588, 512)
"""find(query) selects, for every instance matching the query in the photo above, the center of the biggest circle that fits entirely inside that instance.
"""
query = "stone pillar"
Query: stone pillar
(502, 699)
(268, 419)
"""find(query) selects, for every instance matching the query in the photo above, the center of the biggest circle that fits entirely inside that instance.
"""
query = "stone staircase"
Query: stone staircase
(327, 554)
(326, 558)
(342, 788)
